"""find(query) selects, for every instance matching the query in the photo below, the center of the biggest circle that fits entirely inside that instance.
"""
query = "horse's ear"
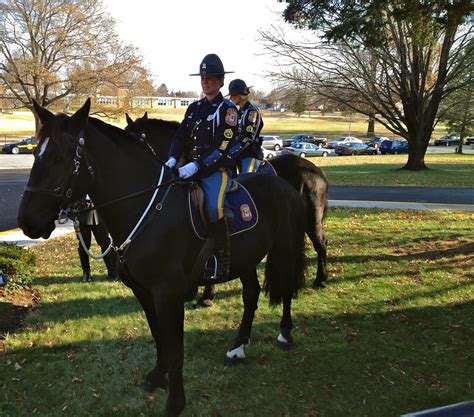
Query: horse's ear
(145, 116)
(79, 119)
(128, 119)
(43, 114)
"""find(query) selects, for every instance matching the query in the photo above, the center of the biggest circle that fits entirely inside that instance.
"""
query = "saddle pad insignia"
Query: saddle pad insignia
(231, 117)
(246, 212)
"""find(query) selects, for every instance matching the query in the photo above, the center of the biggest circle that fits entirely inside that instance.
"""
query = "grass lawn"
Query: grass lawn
(391, 334)
(445, 170)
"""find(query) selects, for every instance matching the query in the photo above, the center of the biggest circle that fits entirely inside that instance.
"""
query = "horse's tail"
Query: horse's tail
(286, 263)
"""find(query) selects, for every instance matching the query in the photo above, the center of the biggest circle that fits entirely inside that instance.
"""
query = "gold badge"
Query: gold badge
(231, 117)
(252, 116)
(223, 145)
(228, 133)
(249, 128)
(245, 212)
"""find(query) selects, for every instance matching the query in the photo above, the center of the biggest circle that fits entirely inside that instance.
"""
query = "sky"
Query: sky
(174, 36)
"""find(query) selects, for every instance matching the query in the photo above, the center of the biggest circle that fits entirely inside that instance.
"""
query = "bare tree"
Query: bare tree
(52, 49)
(397, 74)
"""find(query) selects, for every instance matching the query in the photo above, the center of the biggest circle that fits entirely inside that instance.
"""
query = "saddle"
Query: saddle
(239, 208)
(266, 168)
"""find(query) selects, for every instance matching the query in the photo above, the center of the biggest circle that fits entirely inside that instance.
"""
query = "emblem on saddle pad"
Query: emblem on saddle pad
(246, 212)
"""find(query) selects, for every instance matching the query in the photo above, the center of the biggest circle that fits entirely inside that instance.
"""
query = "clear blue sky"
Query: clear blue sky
(174, 36)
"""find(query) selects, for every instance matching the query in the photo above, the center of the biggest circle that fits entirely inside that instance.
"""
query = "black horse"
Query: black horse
(78, 155)
(309, 180)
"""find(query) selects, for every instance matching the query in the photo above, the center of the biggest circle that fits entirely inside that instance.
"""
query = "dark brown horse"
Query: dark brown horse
(305, 177)
(78, 155)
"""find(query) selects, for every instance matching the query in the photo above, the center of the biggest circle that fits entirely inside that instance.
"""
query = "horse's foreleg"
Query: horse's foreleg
(285, 339)
(168, 297)
(250, 294)
(156, 378)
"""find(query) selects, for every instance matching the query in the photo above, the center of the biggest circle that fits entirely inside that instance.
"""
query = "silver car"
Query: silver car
(272, 142)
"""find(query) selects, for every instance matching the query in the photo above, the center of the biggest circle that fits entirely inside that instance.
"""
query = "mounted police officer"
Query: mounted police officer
(208, 127)
(249, 146)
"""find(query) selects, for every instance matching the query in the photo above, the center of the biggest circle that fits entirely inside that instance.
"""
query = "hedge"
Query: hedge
(17, 264)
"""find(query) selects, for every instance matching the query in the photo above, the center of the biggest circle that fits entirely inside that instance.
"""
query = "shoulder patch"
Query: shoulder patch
(231, 117)
(252, 116)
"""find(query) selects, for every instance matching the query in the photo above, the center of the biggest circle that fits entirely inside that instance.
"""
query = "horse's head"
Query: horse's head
(56, 178)
(137, 128)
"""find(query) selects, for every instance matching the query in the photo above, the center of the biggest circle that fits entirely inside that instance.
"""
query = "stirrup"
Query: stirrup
(206, 268)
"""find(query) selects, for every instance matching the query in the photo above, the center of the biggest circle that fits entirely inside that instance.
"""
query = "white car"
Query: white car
(269, 153)
(272, 142)
(343, 140)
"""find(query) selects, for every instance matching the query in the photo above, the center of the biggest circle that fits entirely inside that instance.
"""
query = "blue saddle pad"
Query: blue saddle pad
(239, 208)
(266, 168)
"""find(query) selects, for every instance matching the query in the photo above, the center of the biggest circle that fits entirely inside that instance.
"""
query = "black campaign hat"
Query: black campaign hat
(238, 86)
(211, 65)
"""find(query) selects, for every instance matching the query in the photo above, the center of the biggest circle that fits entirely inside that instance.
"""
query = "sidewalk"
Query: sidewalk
(17, 237)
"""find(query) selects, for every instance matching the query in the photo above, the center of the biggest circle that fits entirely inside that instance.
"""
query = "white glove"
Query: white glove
(188, 170)
(170, 163)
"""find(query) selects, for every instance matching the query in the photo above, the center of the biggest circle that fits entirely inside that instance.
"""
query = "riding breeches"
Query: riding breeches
(215, 188)
(250, 165)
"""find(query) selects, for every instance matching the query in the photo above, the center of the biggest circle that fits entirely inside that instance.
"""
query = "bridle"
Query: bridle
(65, 190)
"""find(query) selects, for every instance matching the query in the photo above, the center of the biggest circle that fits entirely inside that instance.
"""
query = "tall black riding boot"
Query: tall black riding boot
(219, 232)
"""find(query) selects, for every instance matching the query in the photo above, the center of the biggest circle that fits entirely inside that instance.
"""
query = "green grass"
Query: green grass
(445, 170)
(391, 334)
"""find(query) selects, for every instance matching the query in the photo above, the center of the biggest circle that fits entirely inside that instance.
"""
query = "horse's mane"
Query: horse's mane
(160, 123)
(108, 129)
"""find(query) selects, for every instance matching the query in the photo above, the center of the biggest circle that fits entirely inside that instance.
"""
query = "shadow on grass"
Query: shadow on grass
(371, 364)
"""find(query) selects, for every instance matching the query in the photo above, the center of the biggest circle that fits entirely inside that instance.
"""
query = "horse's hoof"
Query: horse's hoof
(232, 361)
(152, 382)
(319, 285)
(284, 343)
(204, 303)
(174, 410)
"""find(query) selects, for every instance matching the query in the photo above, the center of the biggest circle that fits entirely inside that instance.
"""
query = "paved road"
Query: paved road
(13, 181)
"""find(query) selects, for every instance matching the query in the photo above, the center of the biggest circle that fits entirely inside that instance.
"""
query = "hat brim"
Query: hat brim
(238, 92)
(213, 75)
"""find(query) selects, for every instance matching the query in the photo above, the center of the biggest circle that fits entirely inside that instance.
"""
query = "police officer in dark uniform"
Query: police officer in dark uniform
(90, 224)
(249, 146)
(208, 127)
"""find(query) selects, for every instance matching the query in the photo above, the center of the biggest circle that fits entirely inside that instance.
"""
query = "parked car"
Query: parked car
(376, 141)
(394, 147)
(272, 142)
(27, 145)
(304, 149)
(355, 149)
(300, 137)
(447, 141)
(269, 153)
(469, 140)
(345, 139)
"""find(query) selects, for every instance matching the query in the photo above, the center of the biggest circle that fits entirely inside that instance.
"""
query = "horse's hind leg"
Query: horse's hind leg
(250, 293)
(285, 339)
(315, 231)
(209, 293)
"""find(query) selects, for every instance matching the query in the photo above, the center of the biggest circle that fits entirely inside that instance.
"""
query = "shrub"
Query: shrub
(17, 264)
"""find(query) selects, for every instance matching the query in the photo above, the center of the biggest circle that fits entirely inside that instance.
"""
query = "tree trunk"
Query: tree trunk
(416, 155)
(371, 128)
